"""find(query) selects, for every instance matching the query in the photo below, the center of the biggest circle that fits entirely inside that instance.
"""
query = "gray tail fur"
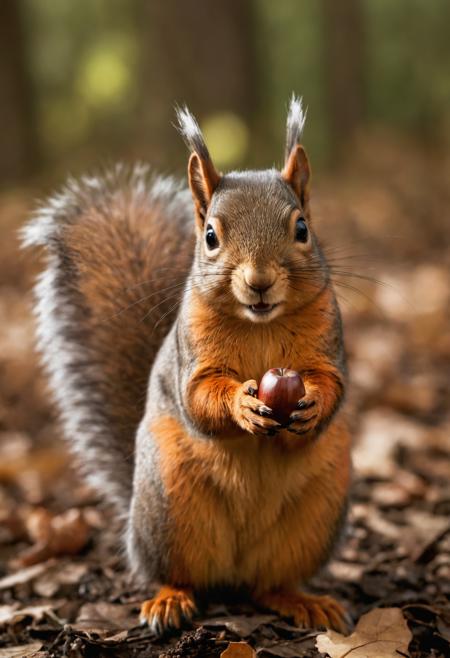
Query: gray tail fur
(111, 249)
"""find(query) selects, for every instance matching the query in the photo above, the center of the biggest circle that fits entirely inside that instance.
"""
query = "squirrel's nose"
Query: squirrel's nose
(258, 281)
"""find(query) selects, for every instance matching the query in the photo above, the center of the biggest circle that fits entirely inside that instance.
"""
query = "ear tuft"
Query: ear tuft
(296, 171)
(203, 176)
(191, 133)
(295, 121)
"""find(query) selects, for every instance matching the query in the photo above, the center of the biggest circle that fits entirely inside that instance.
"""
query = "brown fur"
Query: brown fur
(215, 491)
(246, 511)
(118, 249)
(169, 607)
(112, 259)
(295, 342)
(307, 610)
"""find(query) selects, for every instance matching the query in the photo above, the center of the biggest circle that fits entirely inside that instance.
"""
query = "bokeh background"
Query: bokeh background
(84, 84)
(89, 82)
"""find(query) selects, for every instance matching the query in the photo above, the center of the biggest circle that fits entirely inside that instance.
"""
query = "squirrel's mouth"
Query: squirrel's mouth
(261, 308)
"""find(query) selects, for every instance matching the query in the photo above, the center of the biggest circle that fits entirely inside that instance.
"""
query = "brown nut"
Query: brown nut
(281, 389)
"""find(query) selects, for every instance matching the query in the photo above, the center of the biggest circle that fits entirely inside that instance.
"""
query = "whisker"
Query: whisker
(186, 289)
(188, 276)
(360, 292)
(172, 308)
(146, 297)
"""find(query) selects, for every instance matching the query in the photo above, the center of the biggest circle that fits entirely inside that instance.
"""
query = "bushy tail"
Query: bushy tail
(118, 252)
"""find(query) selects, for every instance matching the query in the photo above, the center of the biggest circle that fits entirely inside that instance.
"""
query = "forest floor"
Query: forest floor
(383, 221)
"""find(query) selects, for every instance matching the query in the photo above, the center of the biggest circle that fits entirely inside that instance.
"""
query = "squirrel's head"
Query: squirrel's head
(256, 256)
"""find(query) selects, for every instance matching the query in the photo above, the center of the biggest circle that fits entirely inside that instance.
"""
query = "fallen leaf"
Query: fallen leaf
(390, 494)
(348, 571)
(11, 614)
(376, 521)
(44, 463)
(289, 649)
(53, 536)
(6, 611)
(381, 633)
(58, 575)
(238, 650)
(241, 625)
(24, 575)
(382, 430)
(21, 651)
(106, 618)
(426, 530)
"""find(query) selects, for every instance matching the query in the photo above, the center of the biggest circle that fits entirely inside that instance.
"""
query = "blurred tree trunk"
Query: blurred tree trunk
(344, 49)
(18, 154)
(199, 52)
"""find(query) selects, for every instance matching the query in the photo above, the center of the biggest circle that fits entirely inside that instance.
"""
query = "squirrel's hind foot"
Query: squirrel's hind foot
(307, 610)
(168, 609)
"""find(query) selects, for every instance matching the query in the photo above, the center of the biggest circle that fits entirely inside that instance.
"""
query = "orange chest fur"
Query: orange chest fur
(244, 512)
(251, 353)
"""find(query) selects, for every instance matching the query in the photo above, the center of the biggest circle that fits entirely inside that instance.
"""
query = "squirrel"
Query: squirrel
(159, 310)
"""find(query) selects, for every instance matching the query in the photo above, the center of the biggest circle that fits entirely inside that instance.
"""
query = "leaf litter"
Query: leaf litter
(77, 599)
(381, 633)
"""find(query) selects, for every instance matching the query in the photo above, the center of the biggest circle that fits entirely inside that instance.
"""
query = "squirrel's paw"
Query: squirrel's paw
(168, 609)
(304, 419)
(307, 610)
(251, 414)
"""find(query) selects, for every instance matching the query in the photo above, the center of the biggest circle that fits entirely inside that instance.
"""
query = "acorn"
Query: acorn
(281, 389)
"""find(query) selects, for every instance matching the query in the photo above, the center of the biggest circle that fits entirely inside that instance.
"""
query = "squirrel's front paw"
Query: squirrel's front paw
(251, 414)
(305, 419)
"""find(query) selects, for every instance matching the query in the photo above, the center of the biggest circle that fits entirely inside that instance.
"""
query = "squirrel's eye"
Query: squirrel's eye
(301, 230)
(211, 237)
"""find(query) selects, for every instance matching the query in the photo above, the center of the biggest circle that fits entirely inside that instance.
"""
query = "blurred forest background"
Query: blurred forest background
(89, 82)
(84, 84)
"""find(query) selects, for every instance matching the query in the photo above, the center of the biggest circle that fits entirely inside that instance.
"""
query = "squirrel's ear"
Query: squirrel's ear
(203, 180)
(203, 176)
(297, 173)
(296, 169)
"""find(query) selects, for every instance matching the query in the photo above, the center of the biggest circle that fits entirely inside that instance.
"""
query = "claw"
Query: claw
(265, 411)
(307, 610)
(305, 404)
(167, 609)
(296, 418)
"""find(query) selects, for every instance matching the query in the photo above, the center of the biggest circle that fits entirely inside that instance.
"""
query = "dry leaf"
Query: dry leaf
(346, 571)
(381, 633)
(241, 625)
(53, 536)
(238, 650)
(60, 574)
(11, 614)
(381, 431)
(105, 618)
(289, 649)
(24, 575)
(21, 651)
(425, 530)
